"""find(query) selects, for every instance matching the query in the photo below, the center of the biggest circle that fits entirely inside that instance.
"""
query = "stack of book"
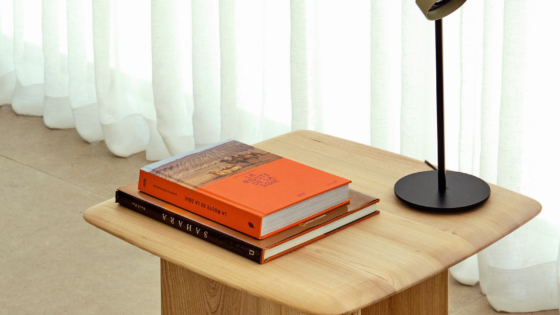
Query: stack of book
(251, 202)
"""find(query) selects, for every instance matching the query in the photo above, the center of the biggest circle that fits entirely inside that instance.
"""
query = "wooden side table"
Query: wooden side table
(394, 263)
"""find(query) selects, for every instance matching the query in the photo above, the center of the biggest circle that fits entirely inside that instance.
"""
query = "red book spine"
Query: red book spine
(201, 204)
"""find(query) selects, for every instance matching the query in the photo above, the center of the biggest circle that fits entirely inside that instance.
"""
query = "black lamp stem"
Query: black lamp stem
(418, 190)
(442, 183)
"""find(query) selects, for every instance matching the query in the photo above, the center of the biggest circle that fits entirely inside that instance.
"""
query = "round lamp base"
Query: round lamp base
(464, 191)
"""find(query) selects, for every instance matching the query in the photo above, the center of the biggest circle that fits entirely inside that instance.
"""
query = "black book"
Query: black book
(261, 251)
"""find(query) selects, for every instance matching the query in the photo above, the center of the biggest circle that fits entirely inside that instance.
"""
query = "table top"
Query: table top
(353, 268)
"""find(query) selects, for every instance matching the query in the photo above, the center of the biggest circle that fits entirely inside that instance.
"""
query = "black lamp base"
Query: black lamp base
(464, 191)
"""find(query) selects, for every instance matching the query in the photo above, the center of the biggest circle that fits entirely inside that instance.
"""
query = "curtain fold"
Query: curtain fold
(7, 70)
(122, 55)
(57, 110)
(171, 64)
(491, 88)
(418, 85)
(166, 77)
(206, 65)
(304, 67)
(386, 74)
(471, 50)
(28, 94)
(81, 73)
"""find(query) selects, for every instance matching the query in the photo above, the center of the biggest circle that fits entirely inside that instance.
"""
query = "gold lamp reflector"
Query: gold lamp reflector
(438, 9)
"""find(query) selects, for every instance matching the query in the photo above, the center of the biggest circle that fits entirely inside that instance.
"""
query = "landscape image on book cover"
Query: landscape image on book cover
(214, 163)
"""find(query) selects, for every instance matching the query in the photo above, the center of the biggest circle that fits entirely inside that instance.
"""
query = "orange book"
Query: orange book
(247, 189)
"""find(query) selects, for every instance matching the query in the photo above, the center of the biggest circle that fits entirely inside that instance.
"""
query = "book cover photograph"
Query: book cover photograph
(203, 167)
(251, 190)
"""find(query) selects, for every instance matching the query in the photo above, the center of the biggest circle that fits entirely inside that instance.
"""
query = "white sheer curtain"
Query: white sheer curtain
(169, 76)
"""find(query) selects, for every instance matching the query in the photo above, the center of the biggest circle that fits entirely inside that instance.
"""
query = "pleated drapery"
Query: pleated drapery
(166, 77)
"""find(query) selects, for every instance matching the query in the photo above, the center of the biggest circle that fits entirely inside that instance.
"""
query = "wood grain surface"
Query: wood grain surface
(352, 269)
(426, 298)
(184, 292)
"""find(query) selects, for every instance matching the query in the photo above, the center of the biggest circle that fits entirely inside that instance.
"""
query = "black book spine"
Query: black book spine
(189, 226)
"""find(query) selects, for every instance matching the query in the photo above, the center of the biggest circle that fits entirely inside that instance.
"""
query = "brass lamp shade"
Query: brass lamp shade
(438, 9)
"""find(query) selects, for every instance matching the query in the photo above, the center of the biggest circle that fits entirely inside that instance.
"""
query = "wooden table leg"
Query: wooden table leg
(427, 298)
(187, 293)
(184, 292)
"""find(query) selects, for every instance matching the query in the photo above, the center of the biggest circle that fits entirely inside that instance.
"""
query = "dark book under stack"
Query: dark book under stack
(246, 200)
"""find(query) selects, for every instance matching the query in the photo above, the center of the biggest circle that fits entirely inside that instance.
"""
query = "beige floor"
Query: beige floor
(53, 262)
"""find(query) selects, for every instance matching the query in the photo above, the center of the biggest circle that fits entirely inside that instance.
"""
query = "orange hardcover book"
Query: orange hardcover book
(247, 189)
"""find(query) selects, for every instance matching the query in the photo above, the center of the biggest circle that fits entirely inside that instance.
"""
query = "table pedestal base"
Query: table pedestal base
(184, 292)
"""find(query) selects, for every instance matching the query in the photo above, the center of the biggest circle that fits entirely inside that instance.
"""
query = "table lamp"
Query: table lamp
(441, 190)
